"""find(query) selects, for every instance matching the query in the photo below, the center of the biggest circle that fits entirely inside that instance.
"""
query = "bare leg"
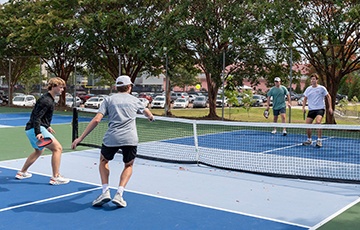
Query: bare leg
(31, 159)
(104, 170)
(56, 150)
(126, 174)
(308, 131)
(318, 121)
(275, 120)
(283, 118)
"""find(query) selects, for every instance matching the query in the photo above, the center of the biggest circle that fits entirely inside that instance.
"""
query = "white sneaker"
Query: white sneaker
(58, 180)
(284, 132)
(119, 200)
(273, 132)
(23, 175)
(102, 199)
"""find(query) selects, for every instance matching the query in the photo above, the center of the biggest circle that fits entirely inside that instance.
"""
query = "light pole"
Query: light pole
(166, 83)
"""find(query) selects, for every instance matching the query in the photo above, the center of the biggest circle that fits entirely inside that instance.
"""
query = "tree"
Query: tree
(205, 29)
(326, 33)
(121, 30)
(231, 93)
(13, 51)
(51, 29)
(183, 75)
(247, 100)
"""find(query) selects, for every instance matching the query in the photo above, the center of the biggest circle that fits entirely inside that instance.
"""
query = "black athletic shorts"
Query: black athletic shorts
(128, 152)
(314, 113)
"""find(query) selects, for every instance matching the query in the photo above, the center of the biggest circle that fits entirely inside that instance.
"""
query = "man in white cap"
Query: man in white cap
(278, 92)
(121, 109)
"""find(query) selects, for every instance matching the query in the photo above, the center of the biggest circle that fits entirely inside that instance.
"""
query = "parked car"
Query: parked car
(158, 102)
(339, 96)
(301, 100)
(258, 102)
(191, 98)
(176, 95)
(294, 96)
(69, 101)
(147, 96)
(94, 102)
(200, 101)
(25, 100)
(144, 101)
(264, 98)
(219, 101)
(85, 97)
(181, 103)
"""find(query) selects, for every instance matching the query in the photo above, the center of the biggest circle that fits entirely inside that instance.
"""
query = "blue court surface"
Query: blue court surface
(334, 148)
(20, 119)
(163, 196)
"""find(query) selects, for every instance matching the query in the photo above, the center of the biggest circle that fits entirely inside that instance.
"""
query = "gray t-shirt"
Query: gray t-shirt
(121, 109)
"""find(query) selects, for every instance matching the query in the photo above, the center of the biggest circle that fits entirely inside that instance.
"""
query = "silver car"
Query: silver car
(200, 102)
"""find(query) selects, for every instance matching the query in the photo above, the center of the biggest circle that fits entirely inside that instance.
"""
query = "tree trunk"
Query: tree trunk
(212, 93)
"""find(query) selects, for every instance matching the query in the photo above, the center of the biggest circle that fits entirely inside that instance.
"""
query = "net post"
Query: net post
(196, 142)
(75, 124)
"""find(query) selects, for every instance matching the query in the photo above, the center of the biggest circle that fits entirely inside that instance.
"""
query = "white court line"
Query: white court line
(335, 215)
(18, 118)
(272, 150)
(220, 209)
(151, 195)
(45, 200)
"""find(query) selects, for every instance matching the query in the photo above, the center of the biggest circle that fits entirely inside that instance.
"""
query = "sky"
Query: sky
(3, 1)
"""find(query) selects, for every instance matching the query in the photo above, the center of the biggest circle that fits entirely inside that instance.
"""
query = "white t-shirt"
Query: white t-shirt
(315, 97)
(121, 109)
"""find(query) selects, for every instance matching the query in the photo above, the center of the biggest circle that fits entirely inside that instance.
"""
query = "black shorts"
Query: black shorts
(128, 152)
(314, 113)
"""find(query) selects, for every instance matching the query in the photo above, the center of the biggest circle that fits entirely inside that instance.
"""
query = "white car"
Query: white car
(158, 102)
(219, 101)
(181, 103)
(144, 101)
(70, 100)
(25, 100)
(94, 102)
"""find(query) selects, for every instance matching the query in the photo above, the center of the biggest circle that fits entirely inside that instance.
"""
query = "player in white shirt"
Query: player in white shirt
(315, 95)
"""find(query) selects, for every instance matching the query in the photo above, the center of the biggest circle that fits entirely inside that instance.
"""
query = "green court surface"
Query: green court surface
(15, 144)
(348, 220)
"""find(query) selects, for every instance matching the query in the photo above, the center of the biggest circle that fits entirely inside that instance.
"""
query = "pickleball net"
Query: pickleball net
(242, 146)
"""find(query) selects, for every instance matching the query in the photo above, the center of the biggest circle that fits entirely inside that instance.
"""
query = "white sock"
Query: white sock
(121, 190)
(309, 139)
(105, 187)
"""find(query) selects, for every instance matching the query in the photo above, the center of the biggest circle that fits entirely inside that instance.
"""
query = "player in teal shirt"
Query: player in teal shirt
(278, 92)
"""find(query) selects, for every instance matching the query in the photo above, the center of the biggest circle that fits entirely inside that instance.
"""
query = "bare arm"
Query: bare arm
(304, 104)
(148, 114)
(331, 111)
(268, 103)
(289, 99)
(93, 123)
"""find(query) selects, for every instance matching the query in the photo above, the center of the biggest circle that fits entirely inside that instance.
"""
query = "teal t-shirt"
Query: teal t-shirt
(278, 95)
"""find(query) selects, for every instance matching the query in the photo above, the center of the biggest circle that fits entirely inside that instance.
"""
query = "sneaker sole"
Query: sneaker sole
(101, 203)
(121, 205)
(19, 177)
(58, 183)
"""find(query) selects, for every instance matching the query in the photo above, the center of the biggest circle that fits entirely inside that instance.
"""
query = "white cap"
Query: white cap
(123, 80)
(277, 79)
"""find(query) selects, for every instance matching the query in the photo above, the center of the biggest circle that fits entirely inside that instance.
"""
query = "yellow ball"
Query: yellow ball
(198, 86)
